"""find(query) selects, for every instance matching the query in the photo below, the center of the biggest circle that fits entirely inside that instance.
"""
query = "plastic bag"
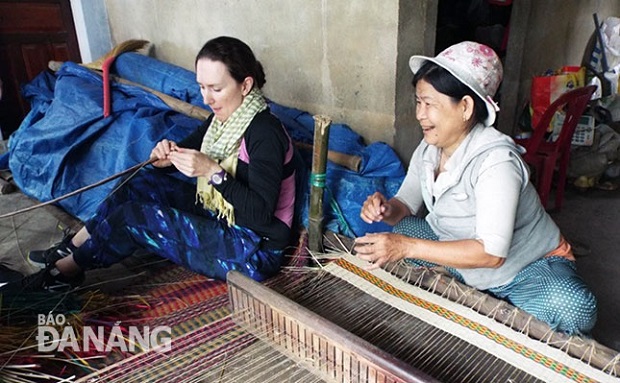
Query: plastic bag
(610, 34)
(605, 56)
(547, 88)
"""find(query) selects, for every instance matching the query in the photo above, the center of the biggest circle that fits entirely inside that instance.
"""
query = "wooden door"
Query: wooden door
(32, 32)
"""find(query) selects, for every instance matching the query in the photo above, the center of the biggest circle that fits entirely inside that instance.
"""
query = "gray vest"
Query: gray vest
(452, 217)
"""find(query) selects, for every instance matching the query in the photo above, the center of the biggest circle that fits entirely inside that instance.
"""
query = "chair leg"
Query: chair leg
(545, 180)
(543, 191)
(562, 169)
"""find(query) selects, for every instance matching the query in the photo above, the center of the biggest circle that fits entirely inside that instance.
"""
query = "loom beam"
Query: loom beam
(333, 353)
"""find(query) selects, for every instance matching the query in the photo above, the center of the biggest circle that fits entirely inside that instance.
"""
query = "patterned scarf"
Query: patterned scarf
(221, 143)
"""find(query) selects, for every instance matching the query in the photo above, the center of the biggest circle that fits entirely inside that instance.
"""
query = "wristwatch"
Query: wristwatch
(218, 178)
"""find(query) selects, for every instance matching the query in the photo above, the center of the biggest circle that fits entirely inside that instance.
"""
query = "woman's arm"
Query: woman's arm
(377, 208)
(497, 192)
(381, 248)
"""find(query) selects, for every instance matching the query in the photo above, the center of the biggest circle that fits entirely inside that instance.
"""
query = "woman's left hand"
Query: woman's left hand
(381, 248)
(193, 163)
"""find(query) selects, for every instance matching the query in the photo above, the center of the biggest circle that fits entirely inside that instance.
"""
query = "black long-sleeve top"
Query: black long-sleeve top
(263, 189)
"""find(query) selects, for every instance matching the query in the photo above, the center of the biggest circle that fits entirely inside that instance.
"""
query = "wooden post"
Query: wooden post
(317, 182)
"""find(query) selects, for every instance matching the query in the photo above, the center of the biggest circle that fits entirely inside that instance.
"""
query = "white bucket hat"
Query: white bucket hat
(475, 65)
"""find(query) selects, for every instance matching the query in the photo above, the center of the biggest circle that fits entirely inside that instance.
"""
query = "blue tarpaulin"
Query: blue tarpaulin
(65, 143)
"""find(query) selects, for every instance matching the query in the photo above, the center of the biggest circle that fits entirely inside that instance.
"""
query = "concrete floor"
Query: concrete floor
(590, 218)
(41, 227)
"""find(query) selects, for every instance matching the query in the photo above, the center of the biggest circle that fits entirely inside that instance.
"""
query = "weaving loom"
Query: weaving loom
(429, 335)
(220, 334)
(339, 324)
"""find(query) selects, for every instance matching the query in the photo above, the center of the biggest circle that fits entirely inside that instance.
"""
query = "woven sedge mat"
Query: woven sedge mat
(203, 333)
(193, 308)
(196, 310)
(438, 282)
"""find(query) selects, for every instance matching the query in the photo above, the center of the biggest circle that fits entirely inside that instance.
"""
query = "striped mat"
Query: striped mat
(203, 333)
(194, 308)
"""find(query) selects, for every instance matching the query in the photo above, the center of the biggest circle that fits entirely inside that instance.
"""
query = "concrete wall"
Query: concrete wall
(417, 21)
(344, 59)
(349, 59)
(92, 28)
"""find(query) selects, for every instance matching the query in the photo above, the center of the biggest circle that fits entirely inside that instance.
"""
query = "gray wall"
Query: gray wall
(348, 59)
(338, 58)
(92, 28)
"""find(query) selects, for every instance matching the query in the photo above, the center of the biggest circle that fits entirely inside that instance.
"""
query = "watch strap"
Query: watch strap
(218, 177)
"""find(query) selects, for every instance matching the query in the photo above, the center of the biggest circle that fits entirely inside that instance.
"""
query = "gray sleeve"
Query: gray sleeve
(410, 192)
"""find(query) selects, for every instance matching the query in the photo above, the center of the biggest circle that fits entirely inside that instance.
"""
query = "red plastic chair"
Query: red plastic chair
(546, 158)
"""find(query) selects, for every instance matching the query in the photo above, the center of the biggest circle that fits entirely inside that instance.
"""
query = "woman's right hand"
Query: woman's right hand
(375, 209)
(161, 152)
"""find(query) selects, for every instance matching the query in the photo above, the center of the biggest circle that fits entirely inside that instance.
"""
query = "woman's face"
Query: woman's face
(445, 123)
(219, 89)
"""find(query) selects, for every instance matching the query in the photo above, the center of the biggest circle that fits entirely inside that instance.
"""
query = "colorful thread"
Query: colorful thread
(465, 322)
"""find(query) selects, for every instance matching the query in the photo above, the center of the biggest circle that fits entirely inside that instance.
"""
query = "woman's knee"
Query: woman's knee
(568, 306)
(415, 227)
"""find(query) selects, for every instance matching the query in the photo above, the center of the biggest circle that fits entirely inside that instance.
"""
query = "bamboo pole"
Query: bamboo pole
(349, 161)
(174, 103)
(317, 182)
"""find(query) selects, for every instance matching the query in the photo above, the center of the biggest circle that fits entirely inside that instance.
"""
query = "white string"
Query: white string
(483, 342)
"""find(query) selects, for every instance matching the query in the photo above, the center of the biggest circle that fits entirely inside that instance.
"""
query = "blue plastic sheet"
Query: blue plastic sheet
(65, 143)
(155, 74)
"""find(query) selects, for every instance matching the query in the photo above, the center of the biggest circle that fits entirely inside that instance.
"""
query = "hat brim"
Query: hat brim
(416, 62)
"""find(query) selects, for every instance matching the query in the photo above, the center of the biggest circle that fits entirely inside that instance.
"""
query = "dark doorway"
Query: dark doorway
(483, 21)
(31, 34)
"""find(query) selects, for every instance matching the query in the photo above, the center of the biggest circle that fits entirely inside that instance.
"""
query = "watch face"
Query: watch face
(216, 178)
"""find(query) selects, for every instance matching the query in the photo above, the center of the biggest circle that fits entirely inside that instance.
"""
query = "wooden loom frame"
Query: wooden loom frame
(444, 285)
(531, 355)
(332, 353)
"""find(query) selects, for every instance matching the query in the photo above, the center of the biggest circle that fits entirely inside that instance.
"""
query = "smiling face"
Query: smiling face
(219, 89)
(445, 123)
